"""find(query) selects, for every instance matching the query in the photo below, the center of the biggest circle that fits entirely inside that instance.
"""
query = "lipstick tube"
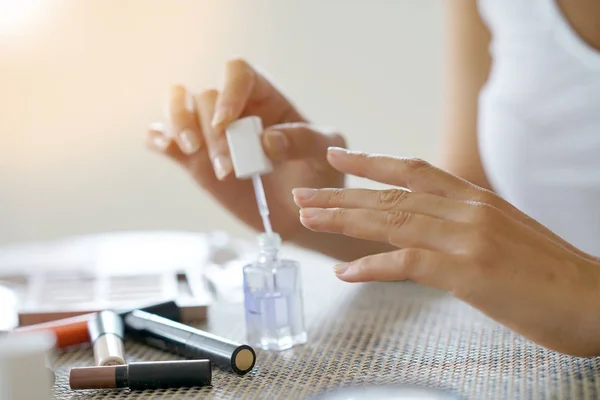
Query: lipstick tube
(106, 336)
(143, 375)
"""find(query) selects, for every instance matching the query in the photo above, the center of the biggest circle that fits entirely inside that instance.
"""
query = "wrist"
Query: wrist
(584, 331)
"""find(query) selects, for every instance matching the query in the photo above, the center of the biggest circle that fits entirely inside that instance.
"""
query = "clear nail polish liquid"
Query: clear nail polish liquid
(273, 299)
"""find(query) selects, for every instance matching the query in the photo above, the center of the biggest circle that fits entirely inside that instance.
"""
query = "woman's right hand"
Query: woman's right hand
(194, 136)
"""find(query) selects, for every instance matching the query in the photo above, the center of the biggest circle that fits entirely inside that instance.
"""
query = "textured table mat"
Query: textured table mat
(372, 334)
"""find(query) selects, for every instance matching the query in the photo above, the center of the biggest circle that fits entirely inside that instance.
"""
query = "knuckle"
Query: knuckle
(341, 223)
(365, 157)
(335, 196)
(339, 214)
(397, 219)
(417, 164)
(391, 197)
(484, 196)
(484, 213)
(409, 257)
(408, 261)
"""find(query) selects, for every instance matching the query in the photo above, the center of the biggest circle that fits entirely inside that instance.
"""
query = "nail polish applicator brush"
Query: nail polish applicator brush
(249, 160)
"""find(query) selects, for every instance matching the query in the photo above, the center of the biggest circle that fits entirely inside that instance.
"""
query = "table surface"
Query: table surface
(374, 334)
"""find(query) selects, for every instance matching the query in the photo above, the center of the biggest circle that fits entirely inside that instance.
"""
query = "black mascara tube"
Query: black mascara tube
(189, 342)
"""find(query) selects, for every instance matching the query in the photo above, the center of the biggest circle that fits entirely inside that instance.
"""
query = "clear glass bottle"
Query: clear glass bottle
(273, 298)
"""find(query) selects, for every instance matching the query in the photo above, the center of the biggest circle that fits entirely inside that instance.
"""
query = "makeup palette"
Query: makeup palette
(122, 270)
(47, 296)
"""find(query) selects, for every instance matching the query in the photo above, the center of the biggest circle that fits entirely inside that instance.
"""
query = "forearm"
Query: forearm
(466, 70)
(341, 247)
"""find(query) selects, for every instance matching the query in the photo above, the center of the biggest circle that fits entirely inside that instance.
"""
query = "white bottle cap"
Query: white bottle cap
(245, 147)
(23, 371)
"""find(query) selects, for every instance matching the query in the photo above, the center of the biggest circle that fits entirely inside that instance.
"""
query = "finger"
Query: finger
(158, 140)
(401, 229)
(181, 118)
(421, 266)
(414, 174)
(240, 80)
(215, 140)
(299, 141)
(384, 200)
(418, 175)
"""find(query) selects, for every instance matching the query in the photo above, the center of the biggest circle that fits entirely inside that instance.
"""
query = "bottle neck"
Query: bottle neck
(269, 246)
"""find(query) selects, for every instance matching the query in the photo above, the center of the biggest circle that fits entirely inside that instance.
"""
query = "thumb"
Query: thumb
(295, 141)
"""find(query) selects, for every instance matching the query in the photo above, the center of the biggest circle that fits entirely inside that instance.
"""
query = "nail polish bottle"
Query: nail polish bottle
(272, 286)
(273, 298)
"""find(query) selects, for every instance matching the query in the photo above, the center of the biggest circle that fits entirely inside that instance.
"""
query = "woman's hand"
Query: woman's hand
(194, 137)
(458, 237)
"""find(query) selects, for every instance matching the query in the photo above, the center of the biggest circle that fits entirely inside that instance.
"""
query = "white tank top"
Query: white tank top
(539, 118)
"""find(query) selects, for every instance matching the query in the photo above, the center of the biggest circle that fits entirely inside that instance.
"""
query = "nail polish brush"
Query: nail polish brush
(249, 160)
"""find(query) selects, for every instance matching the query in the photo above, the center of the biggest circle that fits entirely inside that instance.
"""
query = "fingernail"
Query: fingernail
(340, 269)
(336, 151)
(303, 194)
(157, 127)
(309, 213)
(277, 142)
(189, 141)
(221, 114)
(222, 166)
(160, 127)
(161, 142)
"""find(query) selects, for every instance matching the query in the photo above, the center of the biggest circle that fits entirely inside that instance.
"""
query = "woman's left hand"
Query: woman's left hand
(466, 240)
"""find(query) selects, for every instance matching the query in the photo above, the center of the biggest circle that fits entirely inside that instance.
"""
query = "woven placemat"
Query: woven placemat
(374, 334)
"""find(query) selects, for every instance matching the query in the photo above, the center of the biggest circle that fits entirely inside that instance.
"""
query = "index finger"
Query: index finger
(240, 81)
(410, 173)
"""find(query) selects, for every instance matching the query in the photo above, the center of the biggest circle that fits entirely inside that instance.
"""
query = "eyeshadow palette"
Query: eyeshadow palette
(46, 296)
(61, 280)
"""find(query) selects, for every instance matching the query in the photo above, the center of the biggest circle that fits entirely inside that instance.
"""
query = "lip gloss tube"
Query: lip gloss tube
(143, 375)
(106, 335)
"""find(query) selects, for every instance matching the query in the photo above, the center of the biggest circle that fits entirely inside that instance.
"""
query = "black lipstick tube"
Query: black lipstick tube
(189, 342)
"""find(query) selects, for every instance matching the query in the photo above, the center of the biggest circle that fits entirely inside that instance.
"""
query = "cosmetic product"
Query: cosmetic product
(106, 336)
(273, 298)
(189, 342)
(143, 375)
(24, 374)
(249, 160)
(74, 331)
(272, 286)
(9, 300)
(48, 295)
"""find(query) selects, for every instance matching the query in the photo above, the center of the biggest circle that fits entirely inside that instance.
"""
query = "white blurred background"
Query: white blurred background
(81, 79)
